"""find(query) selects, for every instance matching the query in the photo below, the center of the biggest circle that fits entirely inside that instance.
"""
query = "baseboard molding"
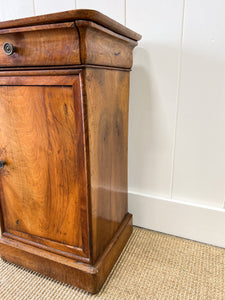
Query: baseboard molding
(196, 222)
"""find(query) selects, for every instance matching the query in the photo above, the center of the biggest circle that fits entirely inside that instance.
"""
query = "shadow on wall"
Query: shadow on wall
(152, 120)
(149, 124)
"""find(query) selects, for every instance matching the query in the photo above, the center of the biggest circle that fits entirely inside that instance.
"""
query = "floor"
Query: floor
(152, 266)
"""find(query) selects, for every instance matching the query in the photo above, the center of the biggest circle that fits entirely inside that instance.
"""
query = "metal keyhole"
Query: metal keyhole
(2, 163)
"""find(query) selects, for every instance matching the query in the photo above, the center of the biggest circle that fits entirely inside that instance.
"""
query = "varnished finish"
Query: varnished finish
(72, 15)
(41, 45)
(64, 98)
(42, 140)
(108, 133)
(97, 41)
(87, 277)
(82, 42)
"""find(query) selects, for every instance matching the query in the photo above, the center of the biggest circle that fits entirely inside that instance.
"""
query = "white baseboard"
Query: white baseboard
(196, 222)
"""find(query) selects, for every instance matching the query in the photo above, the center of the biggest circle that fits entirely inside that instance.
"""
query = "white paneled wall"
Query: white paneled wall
(11, 10)
(199, 166)
(114, 9)
(51, 6)
(177, 109)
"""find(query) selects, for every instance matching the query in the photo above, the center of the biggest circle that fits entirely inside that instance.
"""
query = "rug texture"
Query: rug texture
(152, 266)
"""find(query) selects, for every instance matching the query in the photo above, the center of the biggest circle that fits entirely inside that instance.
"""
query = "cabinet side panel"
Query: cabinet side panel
(107, 96)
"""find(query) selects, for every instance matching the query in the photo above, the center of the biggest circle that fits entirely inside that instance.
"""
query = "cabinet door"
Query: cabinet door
(43, 184)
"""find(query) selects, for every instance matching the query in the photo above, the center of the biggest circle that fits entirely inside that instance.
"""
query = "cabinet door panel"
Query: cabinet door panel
(43, 184)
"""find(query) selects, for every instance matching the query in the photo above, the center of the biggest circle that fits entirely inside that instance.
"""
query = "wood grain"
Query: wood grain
(84, 276)
(72, 15)
(107, 95)
(44, 181)
(45, 45)
(100, 46)
(66, 44)
(64, 98)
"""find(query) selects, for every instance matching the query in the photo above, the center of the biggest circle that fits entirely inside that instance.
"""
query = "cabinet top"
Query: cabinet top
(72, 15)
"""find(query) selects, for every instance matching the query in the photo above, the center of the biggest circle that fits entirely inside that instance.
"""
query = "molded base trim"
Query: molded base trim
(184, 219)
(79, 274)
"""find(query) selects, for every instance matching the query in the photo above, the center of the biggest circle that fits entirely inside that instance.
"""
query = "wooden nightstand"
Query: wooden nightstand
(64, 93)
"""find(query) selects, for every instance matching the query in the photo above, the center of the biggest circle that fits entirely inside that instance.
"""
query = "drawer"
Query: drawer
(41, 45)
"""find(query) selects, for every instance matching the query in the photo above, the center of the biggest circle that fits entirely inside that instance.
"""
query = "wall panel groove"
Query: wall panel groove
(177, 100)
(199, 161)
(153, 93)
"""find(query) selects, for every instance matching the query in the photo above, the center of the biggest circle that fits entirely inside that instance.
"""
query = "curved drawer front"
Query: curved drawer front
(43, 45)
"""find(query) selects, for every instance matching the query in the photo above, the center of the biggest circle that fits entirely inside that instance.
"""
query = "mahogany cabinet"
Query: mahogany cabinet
(64, 93)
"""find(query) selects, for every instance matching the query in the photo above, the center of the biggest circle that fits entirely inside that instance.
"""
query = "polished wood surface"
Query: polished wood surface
(72, 15)
(84, 276)
(41, 45)
(42, 141)
(64, 98)
(100, 46)
(107, 94)
(71, 43)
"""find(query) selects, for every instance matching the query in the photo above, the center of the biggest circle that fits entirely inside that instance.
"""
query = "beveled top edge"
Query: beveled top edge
(72, 15)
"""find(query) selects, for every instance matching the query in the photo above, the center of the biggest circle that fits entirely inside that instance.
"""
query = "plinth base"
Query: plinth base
(79, 274)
